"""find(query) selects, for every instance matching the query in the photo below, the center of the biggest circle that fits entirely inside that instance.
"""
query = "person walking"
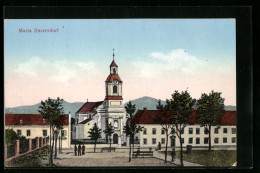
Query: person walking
(83, 149)
(159, 146)
(75, 149)
(173, 154)
(79, 150)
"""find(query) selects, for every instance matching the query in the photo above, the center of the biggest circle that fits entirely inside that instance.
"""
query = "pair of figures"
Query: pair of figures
(79, 150)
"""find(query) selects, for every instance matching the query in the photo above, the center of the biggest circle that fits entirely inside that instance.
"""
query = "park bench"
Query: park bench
(142, 154)
(108, 149)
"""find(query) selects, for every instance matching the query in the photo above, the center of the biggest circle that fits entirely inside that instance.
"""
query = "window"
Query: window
(225, 130)
(234, 130)
(43, 120)
(182, 131)
(197, 131)
(190, 130)
(182, 140)
(224, 140)
(28, 132)
(145, 141)
(154, 131)
(163, 140)
(44, 132)
(172, 130)
(116, 124)
(21, 121)
(19, 132)
(206, 131)
(114, 89)
(190, 140)
(144, 131)
(154, 141)
(197, 140)
(233, 140)
(216, 130)
(163, 131)
(114, 70)
(64, 133)
(216, 140)
(206, 140)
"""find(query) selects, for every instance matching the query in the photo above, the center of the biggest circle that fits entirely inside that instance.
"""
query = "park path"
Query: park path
(176, 161)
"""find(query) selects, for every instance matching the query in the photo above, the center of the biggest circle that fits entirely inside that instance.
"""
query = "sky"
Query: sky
(155, 57)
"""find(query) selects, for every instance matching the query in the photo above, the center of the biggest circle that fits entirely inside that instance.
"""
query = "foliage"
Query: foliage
(95, 134)
(160, 106)
(109, 130)
(10, 136)
(130, 109)
(210, 109)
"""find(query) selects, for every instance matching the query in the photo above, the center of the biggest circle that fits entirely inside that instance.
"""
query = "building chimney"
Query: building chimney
(145, 108)
(87, 100)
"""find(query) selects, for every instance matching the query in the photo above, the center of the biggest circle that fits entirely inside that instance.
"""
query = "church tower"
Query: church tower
(113, 103)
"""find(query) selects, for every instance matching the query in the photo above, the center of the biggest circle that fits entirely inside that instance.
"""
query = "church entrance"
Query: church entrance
(115, 138)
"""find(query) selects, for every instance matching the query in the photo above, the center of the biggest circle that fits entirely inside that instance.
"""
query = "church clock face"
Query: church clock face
(114, 82)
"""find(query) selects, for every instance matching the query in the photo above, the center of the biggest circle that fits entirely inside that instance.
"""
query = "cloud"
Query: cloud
(61, 71)
(178, 62)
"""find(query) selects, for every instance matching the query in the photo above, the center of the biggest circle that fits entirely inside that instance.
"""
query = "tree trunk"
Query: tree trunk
(50, 157)
(130, 149)
(59, 144)
(52, 148)
(181, 149)
(209, 137)
(95, 146)
(110, 143)
(133, 138)
(56, 138)
(166, 131)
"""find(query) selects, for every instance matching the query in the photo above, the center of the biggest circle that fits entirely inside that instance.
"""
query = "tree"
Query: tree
(210, 109)
(10, 136)
(165, 123)
(95, 134)
(109, 131)
(130, 109)
(131, 129)
(51, 110)
(180, 107)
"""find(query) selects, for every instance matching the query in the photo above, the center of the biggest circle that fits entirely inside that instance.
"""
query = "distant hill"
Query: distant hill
(148, 102)
(33, 109)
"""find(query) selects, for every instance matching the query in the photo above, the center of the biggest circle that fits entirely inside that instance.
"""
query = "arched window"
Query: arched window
(114, 70)
(116, 124)
(114, 89)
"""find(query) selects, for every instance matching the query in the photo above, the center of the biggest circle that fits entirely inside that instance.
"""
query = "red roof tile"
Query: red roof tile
(85, 121)
(111, 77)
(160, 117)
(113, 64)
(113, 98)
(30, 119)
(89, 107)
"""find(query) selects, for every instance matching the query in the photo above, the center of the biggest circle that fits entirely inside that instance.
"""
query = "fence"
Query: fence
(88, 141)
(23, 146)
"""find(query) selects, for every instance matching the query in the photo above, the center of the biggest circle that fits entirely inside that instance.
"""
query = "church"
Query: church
(110, 110)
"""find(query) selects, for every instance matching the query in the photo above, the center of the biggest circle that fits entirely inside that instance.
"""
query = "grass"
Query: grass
(29, 160)
(210, 158)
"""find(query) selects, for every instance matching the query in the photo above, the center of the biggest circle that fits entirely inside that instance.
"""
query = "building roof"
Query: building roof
(31, 119)
(161, 117)
(113, 64)
(111, 77)
(89, 107)
(113, 98)
(85, 121)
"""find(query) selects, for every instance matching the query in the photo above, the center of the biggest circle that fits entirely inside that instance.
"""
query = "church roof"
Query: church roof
(89, 107)
(32, 119)
(162, 117)
(113, 98)
(113, 64)
(111, 77)
(85, 121)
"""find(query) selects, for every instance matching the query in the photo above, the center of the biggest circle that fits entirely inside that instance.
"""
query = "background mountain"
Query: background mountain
(140, 103)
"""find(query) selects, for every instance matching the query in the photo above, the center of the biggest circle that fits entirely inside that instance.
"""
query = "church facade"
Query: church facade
(110, 110)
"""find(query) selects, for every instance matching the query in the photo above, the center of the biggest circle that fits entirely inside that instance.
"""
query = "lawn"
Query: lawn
(30, 160)
(210, 158)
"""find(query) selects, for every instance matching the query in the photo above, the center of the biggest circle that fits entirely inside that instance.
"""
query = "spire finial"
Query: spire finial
(113, 54)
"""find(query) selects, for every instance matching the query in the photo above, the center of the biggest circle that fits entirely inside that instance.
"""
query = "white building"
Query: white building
(34, 125)
(111, 110)
(223, 135)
